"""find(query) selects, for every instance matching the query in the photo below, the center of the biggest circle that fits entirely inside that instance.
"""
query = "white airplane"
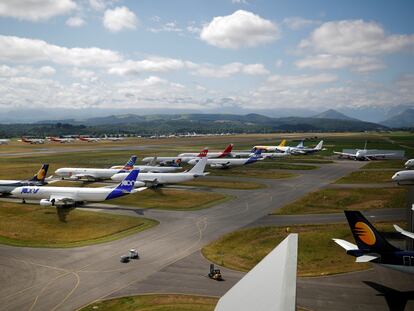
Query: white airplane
(89, 139)
(112, 138)
(404, 232)
(404, 177)
(7, 186)
(300, 149)
(63, 196)
(409, 164)
(363, 154)
(230, 162)
(4, 141)
(211, 155)
(155, 179)
(174, 160)
(270, 285)
(62, 140)
(270, 148)
(150, 168)
(93, 174)
(33, 141)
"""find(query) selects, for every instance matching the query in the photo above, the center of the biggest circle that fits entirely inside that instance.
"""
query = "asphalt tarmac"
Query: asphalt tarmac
(67, 279)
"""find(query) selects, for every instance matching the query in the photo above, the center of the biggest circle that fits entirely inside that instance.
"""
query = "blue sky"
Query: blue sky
(227, 55)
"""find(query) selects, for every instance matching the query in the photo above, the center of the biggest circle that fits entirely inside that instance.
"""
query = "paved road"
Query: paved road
(66, 279)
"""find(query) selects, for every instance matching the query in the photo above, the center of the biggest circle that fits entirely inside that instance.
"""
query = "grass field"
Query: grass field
(37, 226)
(395, 164)
(318, 254)
(367, 177)
(225, 184)
(172, 199)
(156, 303)
(252, 173)
(337, 200)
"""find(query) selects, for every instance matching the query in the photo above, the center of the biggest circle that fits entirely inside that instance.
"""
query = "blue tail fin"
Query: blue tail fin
(130, 164)
(125, 187)
(41, 174)
(253, 158)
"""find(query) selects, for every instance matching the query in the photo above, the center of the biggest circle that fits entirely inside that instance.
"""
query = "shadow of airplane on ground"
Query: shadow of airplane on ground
(396, 300)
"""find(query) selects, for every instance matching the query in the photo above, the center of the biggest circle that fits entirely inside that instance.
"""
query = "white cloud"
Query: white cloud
(15, 49)
(153, 64)
(355, 37)
(228, 70)
(26, 71)
(279, 63)
(119, 18)
(240, 29)
(98, 5)
(328, 61)
(301, 80)
(167, 27)
(35, 10)
(75, 21)
(296, 23)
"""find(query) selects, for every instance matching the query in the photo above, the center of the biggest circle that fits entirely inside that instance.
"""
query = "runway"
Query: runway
(67, 279)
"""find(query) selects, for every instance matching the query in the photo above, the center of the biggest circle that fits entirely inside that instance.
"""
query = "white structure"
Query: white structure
(270, 285)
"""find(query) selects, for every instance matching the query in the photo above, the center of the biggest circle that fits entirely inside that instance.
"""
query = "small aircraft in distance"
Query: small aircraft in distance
(174, 160)
(409, 164)
(7, 186)
(64, 196)
(89, 139)
(112, 138)
(93, 174)
(364, 154)
(226, 152)
(231, 162)
(33, 141)
(156, 179)
(4, 141)
(371, 246)
(61, 140)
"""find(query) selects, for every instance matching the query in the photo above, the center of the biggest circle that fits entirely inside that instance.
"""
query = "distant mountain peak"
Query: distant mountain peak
(333, 114)
(400, 120)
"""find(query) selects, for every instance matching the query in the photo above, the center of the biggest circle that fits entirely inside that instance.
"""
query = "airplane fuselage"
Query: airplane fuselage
(94, 173)
(159, 178)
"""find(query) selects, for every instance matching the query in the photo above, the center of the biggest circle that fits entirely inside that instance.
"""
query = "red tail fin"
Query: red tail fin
(203, 153)
(226, 151)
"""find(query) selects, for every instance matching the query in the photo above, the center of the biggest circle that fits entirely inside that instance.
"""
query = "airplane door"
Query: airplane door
(406, 260)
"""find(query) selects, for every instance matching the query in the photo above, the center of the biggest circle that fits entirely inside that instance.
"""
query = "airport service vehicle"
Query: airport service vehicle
(270, 148)
(404, 177)
(371, 246)
(89, 139)
(93, 173)
(4, 141)
(409, 164)
(231, 162)
(64, 196)
(174, 160)
(7, 186)
(155, 179)
(215, 274)
(364, 154)
(61, 140)
(226, 152)
(33, 141)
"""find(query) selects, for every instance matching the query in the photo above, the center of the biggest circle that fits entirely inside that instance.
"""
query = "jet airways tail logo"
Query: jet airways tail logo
(41, 174)
(364, 233)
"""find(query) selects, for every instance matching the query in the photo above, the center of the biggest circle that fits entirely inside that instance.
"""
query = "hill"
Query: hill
(404, 119)
(333, 114)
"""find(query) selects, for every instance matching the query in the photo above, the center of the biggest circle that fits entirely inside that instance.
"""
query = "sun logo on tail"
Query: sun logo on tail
(41, 174)
(364, 233)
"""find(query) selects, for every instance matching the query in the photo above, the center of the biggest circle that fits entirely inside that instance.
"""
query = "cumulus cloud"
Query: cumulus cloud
(98, 5)
(301, 80)
(296, 23)
(153, 64)
(228, 70)
(16, 49)
(26, 71)
(167, 27)
(355, 37)
(75, 21)
(328, 61)
(240, 29)
(119, 18)
(35, 10)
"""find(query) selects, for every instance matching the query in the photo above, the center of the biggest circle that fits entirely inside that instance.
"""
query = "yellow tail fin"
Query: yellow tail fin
(282, 143)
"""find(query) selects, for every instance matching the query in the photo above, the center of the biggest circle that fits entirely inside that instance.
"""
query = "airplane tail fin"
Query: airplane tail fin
(127, 184)
(366, 236)
(254, 157)
(198, 169)
(300, 145)
(203, 153)
(282, 143)
(130, 164)
(41, 174)
(153, 162)
(319, 145)
(226, 151)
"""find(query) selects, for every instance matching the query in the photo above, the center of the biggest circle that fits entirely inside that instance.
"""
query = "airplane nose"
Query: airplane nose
(395, 177)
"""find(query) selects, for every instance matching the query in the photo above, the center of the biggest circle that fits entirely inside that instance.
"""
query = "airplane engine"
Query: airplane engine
(46, 202)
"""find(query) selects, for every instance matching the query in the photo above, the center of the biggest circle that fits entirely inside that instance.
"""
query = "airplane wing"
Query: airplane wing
(139, 189)
(404, 232)
(378, 156)
(345, 155)
(84, 176)
(270, 285)
(221, 165)
(366, 258)
(345, 244)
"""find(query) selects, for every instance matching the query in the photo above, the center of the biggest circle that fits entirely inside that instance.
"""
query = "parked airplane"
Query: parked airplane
(94, 173)
(89, 139)
(4, 141)
(112, 138)
(155, 179)
(404, 232)
(300, 149)
(174, 160)
(404, 177)
(151, 167)
(32, 141)
(7, 186)
(373, 247)
(364, 154)
(231, 162)
(63, 196)
(61, 140)
(409, 164)
(211, 155)
(269, 148)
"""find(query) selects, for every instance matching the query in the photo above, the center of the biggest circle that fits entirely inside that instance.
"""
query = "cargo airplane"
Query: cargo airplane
(371, 246)
(64, 196)
(7, 186)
